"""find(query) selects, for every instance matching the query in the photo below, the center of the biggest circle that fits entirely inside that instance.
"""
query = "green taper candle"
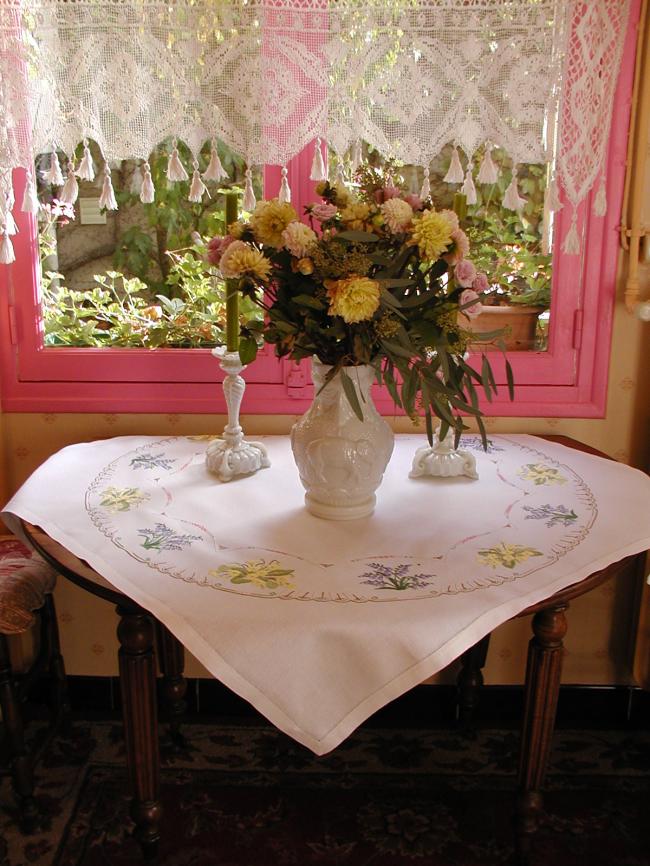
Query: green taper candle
(460, 205)
(232, 292)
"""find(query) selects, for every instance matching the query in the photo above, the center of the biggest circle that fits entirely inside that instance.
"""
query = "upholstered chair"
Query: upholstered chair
(26, 603)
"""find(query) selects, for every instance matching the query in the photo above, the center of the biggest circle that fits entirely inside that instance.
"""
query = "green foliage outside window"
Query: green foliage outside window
(161, 291)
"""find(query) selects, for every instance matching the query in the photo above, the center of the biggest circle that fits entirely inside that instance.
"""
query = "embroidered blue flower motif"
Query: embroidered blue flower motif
(385, 577)
(553, 514)
(161, 537)
(152, 461)
(474, 443)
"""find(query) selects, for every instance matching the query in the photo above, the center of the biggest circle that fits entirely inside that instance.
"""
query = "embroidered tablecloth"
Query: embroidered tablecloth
(319, 623)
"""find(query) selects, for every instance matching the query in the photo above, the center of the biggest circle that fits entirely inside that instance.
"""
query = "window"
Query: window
(568, 378)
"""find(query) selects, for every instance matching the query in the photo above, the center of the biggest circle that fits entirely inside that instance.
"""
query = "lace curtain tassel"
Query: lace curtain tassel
(249, 201)
(10, 227)
(600, 201)
(107, 198)
(468, 189)
(147, 191)
(70, 192)
(552, 201)
(318, 171)
(356, 157)
(197, 187)
(136, 181)
(215, 170)
(488, 172)
(425, 192)
(175, 168)
(511, 198)
(86, 170)
(30, 199)
(571, 244)
(340, 173)
(285, 190)
(7, 255)
(53, 174)
(455, 173)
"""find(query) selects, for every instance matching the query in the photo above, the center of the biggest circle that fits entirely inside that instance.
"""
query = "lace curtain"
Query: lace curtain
(269, 76)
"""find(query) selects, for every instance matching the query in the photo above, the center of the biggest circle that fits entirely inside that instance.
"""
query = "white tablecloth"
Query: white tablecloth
(319, 623)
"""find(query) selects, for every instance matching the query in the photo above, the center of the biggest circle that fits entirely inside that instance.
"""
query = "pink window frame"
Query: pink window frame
(568, 380)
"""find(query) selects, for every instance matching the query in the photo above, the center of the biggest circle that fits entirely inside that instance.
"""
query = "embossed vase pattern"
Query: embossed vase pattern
(341, 459)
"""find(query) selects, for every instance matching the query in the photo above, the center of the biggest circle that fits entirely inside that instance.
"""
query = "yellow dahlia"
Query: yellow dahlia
(270, 219)
(237, 229)
(355, 299)
(432, 234)
(355, 215)
(241, 259)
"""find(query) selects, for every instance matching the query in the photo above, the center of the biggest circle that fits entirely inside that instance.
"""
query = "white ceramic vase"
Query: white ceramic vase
(341, 459)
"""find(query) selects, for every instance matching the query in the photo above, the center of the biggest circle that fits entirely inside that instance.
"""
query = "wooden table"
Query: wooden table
(141, 637)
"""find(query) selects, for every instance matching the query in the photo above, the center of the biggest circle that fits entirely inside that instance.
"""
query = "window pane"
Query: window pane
(136, 276)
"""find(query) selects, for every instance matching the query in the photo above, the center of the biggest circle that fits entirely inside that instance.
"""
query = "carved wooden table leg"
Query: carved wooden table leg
(60, 699)
(138, 686)
(21, 762)
(470, 680)
(171, 658)
(543, 674)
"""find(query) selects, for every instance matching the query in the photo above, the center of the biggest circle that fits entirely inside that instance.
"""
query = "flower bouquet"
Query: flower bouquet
(378, 277)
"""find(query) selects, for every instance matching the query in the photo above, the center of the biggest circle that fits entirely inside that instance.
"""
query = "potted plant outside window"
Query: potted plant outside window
(507, 246)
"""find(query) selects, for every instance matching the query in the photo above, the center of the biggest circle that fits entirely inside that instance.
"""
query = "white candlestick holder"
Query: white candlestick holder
(442, 460)
(232, 455)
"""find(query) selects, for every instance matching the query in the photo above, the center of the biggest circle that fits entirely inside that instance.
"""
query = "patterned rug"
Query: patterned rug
(249, 796)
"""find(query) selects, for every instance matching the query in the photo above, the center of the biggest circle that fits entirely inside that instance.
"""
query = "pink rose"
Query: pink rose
(481, 283)
(217, 247)
(470, 297)
(414, 200)
(324, 211)
(461, 246)
(465, 273)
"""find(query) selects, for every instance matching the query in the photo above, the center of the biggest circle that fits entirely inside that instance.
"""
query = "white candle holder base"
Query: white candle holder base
(232, 455)
(442, 460)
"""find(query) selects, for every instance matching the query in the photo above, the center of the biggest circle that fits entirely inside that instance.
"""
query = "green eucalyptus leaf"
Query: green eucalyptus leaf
(351, 394)
(247, 350)
(357, 237)
(309, 301)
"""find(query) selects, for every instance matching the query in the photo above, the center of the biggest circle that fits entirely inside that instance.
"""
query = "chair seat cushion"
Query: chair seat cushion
(25, 579)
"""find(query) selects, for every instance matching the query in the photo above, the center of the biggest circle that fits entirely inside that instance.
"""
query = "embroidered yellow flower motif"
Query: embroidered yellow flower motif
(259, 572)
(540, 473)
(241, 259)
(432, 234)
(270, 219)
(355, 299)
(506, 555)
(122, 499)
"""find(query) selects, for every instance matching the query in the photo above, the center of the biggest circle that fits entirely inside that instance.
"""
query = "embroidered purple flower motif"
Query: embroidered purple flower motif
(384, 577)
(161, 537)
(553, 514)
(152, 461)
(474, 444)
